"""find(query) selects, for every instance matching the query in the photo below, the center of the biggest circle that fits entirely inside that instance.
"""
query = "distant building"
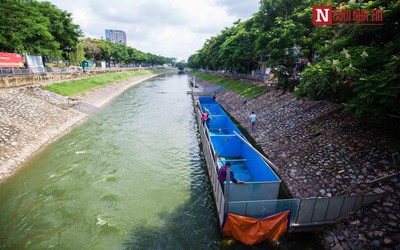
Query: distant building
(116, 36)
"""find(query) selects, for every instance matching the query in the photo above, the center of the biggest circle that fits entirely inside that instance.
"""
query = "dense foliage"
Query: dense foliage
(356, 65)
(113, 53)
(40, 28)
(37, 28)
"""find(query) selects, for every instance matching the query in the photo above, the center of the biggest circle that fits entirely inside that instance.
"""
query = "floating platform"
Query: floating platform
(222, 141)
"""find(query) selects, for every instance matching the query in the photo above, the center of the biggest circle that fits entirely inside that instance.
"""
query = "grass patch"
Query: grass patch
(315, 128)
(245, 89)
(70, 88)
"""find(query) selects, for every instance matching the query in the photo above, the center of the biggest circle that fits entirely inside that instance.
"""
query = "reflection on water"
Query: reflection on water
(130, 177)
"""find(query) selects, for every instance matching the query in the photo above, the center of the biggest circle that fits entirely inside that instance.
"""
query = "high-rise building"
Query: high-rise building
(116, 36)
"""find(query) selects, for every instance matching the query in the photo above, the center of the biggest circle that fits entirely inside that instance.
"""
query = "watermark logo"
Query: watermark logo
(326, 15)
(322, 15)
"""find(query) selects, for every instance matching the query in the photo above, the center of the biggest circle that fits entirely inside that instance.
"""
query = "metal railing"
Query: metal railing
(14, 71)
(211, 162)
(306, 212)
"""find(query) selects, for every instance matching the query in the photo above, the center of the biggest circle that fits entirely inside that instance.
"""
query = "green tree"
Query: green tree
(24, 29)
(356, 65)
(64, 31)
(79, 55)
(91, 49)
(37, 28)
(120, 53)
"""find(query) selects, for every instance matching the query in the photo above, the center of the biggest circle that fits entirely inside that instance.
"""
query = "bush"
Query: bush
(365, 79)
(333, 78)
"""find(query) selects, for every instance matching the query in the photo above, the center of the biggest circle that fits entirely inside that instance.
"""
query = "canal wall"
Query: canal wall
(322, 152)
(32, 118)
(22, 80)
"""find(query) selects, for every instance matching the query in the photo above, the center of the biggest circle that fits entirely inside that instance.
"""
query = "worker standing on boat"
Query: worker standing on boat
(253, 118)
(222, 174)
(205, 116)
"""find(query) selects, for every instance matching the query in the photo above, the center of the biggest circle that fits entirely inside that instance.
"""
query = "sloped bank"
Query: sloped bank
(322, 152)
(33, 118)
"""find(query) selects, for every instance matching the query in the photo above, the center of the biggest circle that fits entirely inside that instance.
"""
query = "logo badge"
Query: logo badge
(322, 15)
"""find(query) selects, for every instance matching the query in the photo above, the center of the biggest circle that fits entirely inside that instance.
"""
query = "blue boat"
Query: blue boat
(230, 145)
(222, 141)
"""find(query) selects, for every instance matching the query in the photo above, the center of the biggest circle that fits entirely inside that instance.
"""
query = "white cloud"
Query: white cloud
(175, 28)
(240, 8)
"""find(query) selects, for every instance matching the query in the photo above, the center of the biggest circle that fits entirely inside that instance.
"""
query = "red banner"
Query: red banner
(11, 60)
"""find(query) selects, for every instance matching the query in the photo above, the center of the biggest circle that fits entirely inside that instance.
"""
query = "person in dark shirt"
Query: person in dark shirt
(222, 174)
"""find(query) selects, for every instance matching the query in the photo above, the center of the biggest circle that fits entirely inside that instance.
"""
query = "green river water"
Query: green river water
(130, 177)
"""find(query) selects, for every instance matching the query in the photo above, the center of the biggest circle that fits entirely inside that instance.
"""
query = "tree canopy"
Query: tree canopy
(356, 65)
(40, 28)
(33, 27)
(98, 49)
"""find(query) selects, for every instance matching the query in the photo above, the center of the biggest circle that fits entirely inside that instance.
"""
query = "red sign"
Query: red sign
(322, 15)
(11, 60)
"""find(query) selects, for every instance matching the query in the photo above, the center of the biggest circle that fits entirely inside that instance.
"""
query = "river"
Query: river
(130, 177)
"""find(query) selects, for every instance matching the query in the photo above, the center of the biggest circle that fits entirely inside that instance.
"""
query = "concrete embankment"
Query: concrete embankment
(32, 117)
(322, 152)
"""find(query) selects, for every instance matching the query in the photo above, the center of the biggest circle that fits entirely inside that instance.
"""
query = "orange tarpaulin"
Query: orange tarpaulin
(251, 231)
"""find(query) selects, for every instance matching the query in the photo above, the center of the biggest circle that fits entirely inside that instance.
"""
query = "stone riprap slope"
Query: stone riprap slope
(321, 152)
(30, 118)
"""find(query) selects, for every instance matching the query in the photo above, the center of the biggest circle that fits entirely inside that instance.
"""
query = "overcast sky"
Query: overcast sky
(171, 28)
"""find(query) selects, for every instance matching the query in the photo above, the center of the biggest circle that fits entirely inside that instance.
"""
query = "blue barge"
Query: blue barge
(222, 141)
(230, 145)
